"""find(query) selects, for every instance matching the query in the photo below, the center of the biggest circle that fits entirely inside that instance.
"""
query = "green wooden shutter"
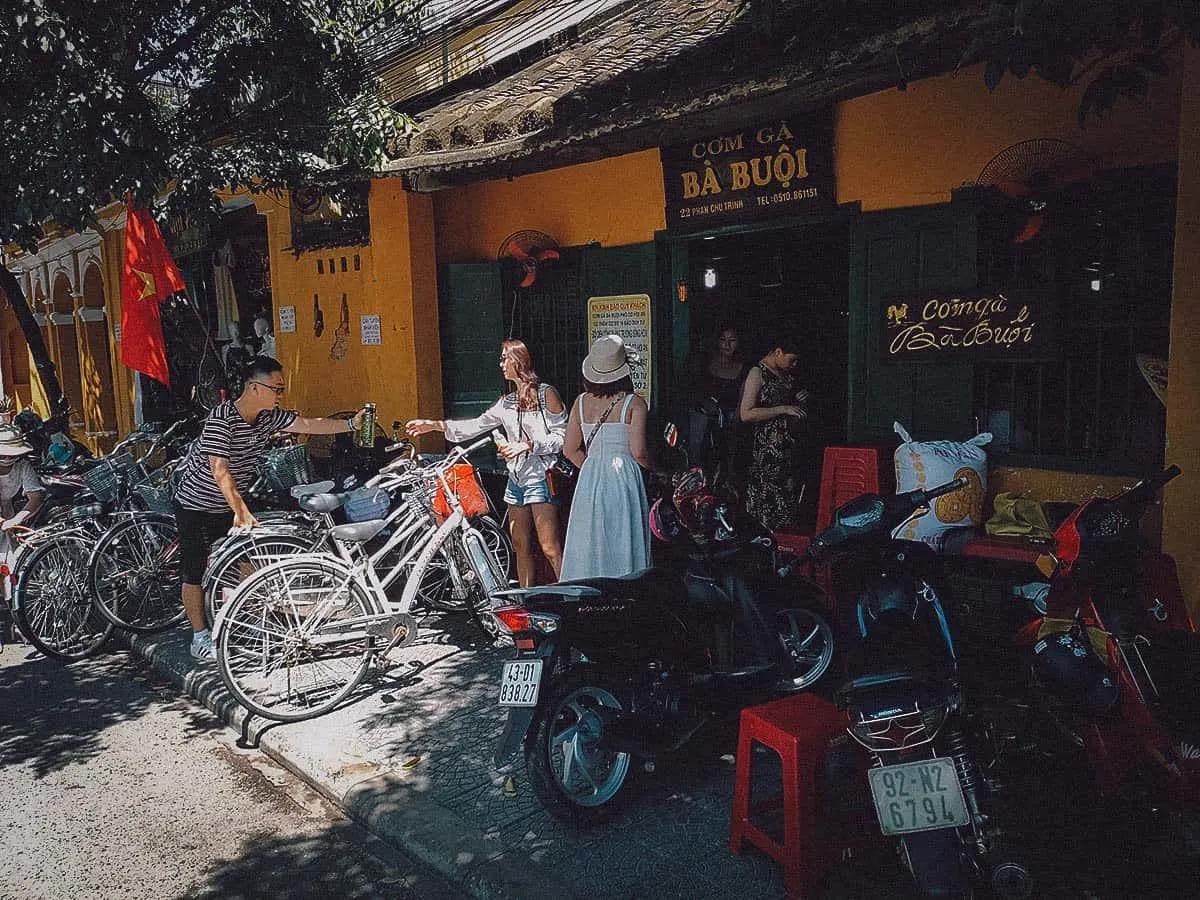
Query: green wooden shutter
(894, 252)
(472, 327)
(632, 269)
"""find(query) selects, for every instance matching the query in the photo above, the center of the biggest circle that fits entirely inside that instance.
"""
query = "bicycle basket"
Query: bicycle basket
(367, 503)
(286, 467)
(464, 482)
(105, 478)
(156, 492)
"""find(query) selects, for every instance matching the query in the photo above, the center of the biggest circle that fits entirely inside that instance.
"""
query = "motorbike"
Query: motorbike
(609, 670)
(1115, 667)
(907, 708)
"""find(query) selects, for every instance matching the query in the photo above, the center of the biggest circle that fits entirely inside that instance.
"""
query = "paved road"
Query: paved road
(113, 785)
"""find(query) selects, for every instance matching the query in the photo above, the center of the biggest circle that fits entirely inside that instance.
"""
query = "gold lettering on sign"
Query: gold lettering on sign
(781, 167)
(953, 323)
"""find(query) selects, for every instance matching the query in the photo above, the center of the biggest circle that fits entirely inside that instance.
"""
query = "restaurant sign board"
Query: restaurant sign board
(981, 325)
(781, 168)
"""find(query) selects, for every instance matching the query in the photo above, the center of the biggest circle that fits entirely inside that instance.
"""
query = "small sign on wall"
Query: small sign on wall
(372, 332)
(287, 319)
(117, 331)
(629, 316)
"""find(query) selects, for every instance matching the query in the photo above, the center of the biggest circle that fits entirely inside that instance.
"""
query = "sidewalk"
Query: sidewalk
(410, 759)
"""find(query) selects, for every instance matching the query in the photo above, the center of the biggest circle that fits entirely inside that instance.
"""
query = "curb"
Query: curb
(385, 805)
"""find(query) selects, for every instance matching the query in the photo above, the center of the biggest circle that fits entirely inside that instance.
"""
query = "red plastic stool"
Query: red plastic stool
(799, 730)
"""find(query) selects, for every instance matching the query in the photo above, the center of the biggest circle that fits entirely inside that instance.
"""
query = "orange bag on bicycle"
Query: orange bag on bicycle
(465, 484)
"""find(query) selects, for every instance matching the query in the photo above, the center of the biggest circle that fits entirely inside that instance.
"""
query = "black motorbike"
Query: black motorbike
(609, 670)
(906, 707)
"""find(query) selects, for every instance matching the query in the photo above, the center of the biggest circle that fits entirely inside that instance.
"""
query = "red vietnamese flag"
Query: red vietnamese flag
(148, 277)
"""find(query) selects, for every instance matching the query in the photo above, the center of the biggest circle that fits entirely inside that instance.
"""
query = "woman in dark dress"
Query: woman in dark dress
(776, 410)
(716, 395)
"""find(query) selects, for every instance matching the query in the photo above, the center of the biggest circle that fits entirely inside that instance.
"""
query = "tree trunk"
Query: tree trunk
(60, 409)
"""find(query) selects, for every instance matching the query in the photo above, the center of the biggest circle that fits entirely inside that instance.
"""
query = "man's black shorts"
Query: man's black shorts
(198, 531)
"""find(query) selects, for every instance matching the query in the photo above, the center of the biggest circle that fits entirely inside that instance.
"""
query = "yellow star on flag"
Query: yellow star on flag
(147, 284)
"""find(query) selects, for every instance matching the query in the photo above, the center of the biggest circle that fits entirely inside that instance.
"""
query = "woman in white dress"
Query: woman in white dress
(608, 533)
(533, 420)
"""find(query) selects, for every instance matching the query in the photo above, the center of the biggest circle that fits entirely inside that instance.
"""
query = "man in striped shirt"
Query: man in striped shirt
(222, 464)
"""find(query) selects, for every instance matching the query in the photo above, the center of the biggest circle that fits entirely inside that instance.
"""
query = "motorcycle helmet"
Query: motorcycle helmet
(689, 483)
(664, 522)
(1066, 665)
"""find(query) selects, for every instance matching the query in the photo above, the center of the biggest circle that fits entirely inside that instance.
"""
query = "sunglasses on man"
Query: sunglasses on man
(278, 389)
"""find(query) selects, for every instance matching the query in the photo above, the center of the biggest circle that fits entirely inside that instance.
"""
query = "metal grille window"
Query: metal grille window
(1104, 252)
(550, 316)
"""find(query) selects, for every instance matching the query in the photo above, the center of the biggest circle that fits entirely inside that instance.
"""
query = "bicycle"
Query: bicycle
(298, 636)
(54, 604)
(51, 605)
(133, 570)
(308, 531)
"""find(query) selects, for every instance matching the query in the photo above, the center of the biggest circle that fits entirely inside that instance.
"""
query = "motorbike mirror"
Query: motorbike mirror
(671, 434)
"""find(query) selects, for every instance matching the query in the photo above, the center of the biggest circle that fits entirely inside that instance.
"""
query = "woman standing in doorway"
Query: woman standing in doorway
(534, 421)
(716, 396)
(773, 406)
(608, 532)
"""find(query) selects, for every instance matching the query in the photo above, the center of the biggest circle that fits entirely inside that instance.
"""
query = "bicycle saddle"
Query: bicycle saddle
(317, 487)
(357, 532)
(321, 503)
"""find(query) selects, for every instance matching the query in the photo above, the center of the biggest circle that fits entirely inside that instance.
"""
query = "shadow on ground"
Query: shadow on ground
(53, 714)
(334, 863)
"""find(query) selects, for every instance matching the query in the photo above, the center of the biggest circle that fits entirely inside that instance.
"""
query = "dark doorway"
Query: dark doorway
(770, 283)
(767, 283)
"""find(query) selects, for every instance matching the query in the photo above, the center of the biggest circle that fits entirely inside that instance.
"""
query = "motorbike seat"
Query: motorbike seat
(647, 584)
(884, 691)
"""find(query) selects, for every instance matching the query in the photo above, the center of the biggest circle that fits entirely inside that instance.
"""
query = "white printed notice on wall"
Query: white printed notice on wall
(372, 333)
(287, 319)
(629, 316)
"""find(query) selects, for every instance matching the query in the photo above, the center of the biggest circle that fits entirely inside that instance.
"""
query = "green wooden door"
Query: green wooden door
(896, 252)
(472, 327)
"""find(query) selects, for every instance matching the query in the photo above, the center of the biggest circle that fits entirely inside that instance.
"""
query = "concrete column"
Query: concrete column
(1181, 537)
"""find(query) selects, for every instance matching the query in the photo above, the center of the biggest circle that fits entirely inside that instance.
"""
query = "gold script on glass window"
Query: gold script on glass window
(959, 323)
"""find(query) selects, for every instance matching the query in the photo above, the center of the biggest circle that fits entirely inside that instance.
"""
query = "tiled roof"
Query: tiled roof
(655, 68)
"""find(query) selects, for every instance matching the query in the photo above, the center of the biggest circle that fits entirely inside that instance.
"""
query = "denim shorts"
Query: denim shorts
(538, 492)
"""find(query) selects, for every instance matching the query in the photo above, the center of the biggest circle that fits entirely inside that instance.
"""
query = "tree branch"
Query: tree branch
(180, 45)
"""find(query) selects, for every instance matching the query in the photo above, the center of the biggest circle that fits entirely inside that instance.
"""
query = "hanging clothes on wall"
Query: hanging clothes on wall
(227, 306)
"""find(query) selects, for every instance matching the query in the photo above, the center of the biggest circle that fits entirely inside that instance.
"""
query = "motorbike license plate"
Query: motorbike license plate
(519, 682)
(918, 796)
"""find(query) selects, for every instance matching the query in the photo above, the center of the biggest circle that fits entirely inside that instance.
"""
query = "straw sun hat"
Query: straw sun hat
(12, 442)
(608, 360)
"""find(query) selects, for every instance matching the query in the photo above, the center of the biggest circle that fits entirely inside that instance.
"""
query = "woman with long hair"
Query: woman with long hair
(534, 421)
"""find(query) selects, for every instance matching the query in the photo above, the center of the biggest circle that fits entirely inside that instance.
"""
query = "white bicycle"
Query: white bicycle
(298, 635)
(393, 552)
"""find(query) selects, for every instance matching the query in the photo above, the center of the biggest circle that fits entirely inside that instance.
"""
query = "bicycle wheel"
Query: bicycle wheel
(499, 543)
(292, 642)
(51, 604)
(437, 587)
(242, 559)
(134, 575)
